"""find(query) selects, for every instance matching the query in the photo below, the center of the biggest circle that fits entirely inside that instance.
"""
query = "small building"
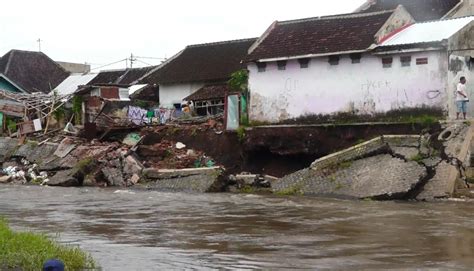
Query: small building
(30, 72)
(107, 96)
(347, 63)
(421, 10)
(75, 67)
(202, 68)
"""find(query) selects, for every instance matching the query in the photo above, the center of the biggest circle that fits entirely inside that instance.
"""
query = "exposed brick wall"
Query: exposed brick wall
(109, 92)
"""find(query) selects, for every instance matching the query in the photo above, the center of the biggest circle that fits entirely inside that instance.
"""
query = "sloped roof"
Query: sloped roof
(320, 35)
(421, 10)
(32, 71)
(71, 84)
(202, 62)
(209, 92)
(120, 77)
(428, 32)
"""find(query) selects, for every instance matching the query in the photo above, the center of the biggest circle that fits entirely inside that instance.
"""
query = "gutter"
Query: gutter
(311, 55)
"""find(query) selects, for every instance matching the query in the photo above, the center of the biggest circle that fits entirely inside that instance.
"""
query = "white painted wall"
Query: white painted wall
(175, 93)
(364, 88)
(459, 68)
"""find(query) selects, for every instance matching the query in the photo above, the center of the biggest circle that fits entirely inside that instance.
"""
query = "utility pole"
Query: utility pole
(132, 59)
(39, 44)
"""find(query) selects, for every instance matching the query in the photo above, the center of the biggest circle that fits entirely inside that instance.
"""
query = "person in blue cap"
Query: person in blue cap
(53, 265)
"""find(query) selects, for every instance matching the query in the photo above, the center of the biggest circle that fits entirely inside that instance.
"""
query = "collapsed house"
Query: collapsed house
(25, 79)
(362, 63)
(107, 100)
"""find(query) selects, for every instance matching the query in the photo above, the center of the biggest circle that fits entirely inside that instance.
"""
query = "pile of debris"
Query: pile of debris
(21, 171)
(168, 154)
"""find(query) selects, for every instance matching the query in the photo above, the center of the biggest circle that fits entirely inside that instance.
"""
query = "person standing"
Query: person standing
(461, 98)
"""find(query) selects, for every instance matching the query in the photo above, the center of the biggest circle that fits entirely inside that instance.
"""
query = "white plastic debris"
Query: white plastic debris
(180, 146)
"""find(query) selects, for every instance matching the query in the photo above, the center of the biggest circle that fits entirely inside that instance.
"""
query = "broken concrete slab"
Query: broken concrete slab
(65, 178)
(7, 147)
(191, 184)
(5, 179)
(440, 185)
(406, 152)
(152, 173)
(132, 166)
(381, 177)
(65, 147)
(135, 179)
(113, 176)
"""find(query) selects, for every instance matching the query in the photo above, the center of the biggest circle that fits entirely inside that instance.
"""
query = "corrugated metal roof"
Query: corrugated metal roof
(434, 31)
(70, 84)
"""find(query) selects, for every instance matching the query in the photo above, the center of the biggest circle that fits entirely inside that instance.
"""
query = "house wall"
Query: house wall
(361, 88)
(460, 66)
(5, 85)
(465, 9)
(175, 93)
(462, 43)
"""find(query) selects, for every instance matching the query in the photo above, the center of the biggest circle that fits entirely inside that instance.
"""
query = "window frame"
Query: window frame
(334, 60)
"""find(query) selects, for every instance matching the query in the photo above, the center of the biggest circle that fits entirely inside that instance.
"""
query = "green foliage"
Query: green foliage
(345, 165)
(11, 124)
(241, 133)
(59, 113)
(77, 108)
(292, 191)
(140, 103)
(29, 251)
(417, 158)
(247, 189)
(84, 164)
(239, 81)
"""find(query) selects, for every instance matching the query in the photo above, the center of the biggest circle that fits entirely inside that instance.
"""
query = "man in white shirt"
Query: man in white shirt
(461, 98)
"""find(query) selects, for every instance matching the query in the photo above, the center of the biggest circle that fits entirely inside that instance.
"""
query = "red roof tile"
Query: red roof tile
(320, 35)
(421, 10)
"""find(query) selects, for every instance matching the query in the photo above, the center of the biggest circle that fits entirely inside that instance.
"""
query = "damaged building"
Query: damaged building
(362, 63)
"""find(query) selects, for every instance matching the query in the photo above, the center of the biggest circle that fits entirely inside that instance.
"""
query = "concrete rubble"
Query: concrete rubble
(388, 167)
(75, 162)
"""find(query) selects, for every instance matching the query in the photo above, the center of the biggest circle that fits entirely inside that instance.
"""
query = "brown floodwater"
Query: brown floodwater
(145, 230)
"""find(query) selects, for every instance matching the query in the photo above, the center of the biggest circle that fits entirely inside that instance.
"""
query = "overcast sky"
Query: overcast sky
(104, 31)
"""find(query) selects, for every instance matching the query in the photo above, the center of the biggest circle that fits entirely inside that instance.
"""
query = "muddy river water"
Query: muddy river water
(144, 230)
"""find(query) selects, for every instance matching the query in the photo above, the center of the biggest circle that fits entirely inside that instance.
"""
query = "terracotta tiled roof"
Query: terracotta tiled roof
(203, 63)
(209, 92)
(421, 10)
(120, 77)
(320, 35)
(32, 71)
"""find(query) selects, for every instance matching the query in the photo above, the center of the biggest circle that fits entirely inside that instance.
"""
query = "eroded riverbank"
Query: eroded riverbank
(150, 230)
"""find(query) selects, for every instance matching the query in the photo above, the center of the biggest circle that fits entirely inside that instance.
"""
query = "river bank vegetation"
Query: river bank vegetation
(29, 251)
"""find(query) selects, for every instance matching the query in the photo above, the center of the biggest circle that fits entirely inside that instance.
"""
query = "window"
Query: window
(422, 61)
(355, 58)
(387, 62)
(281, 65)
(334, 60)
(406, 61)
(262, 66)
(304, 63)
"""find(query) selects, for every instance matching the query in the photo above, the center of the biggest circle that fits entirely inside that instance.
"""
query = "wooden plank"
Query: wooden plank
(12, 108)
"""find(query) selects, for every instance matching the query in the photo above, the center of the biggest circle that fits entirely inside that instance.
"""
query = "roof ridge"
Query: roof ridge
(220, 42)
(8, 62)
(337, 16)
(445, 19)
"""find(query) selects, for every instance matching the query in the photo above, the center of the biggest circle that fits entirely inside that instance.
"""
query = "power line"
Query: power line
(150, 57)
(144, 62)
(109, 64)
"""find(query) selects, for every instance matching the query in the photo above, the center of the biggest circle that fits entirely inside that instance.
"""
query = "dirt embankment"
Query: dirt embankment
(275, 151)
